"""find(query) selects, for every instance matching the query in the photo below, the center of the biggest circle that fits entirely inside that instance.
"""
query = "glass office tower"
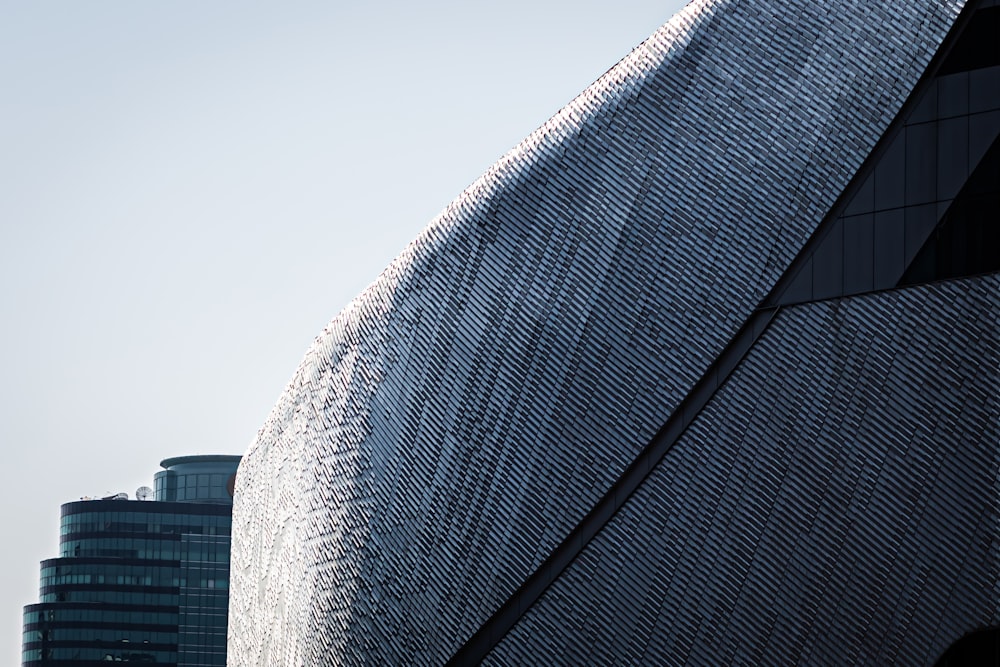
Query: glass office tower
(140, 581)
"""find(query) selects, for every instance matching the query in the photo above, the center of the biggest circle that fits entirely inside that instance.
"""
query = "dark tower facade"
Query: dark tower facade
(705, 371)
(140, 581)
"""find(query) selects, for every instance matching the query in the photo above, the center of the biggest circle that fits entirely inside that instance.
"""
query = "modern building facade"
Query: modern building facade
(140, 581)
(705, 371)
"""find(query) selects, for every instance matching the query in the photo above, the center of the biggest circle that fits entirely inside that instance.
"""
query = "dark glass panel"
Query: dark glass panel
(984, 89)
(920, 222)
(953, 156)
(828, 264)
(953, 95)
(983, 129)
(921, 163)
(889, 175)
(967, 240)
(858, 254)
(889, 245)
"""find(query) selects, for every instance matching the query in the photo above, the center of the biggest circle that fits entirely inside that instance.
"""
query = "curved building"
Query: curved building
(140, 581)
(705, 371)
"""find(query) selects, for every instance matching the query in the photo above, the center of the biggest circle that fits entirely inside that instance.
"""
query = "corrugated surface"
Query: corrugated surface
(837, 502)
(459, 417)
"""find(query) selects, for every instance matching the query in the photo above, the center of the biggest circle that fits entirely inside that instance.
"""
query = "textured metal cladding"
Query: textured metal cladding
(835, 503)
(454, 423)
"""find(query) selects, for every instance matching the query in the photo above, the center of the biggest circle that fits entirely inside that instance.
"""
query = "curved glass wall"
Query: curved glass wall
(202, 479)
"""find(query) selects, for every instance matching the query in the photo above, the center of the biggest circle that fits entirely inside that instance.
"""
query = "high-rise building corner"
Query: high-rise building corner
(143, 580)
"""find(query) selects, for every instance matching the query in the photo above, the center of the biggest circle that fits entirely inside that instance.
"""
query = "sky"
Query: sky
(190, 191)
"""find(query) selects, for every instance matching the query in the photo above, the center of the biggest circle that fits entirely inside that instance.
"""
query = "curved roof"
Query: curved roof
(200, 458)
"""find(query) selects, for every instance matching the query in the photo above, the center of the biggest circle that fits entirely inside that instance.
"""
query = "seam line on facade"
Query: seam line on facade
(493, 630)
(475, 649)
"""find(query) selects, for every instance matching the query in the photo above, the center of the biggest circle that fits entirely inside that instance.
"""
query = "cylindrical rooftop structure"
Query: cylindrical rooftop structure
(206, 478)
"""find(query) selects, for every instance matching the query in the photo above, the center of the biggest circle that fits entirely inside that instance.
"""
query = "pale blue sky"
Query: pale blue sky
(192, 190)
